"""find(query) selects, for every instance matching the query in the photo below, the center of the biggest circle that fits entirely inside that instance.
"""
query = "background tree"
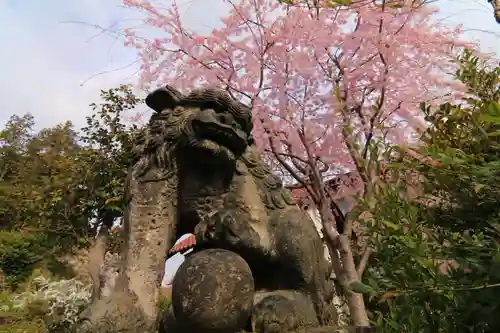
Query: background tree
(58, 187)
(379, 60)
(14, 138)
(41, 190)
(109, 141)
(437, 261)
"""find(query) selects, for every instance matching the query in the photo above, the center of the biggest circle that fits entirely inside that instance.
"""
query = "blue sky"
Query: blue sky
(52, 55)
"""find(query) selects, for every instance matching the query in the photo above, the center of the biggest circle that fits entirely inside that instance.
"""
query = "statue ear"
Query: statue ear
(164, 98)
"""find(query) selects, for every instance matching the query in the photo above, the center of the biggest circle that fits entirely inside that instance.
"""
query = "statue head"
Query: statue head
(207, 124)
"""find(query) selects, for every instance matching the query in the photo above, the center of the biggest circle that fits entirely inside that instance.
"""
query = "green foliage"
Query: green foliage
(14, 320)
(19, 253)
(416, 289)
(55, 181)
(163, 303)
(110, 144)
(436, 266)
(45, 306)
(464, 138)
(42, 185)
(361, 288)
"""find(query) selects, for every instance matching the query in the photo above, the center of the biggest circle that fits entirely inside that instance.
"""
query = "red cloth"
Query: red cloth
(185, 244)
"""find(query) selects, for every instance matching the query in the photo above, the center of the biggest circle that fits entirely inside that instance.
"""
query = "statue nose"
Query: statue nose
(209, 116)
(225, 118)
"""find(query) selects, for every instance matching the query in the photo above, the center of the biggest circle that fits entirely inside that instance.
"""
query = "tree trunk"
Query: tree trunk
(355, 301)
(96, 256)
(343, 263)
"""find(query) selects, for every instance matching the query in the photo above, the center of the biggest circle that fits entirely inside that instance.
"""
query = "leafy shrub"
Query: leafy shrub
(59, 303)
(19, 253)
(163, 303)
(436, 266)
(14, 320)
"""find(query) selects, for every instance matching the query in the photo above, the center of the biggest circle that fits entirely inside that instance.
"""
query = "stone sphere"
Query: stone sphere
(213, 292)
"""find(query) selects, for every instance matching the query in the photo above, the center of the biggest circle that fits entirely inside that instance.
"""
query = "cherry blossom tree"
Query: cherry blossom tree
(331, 86)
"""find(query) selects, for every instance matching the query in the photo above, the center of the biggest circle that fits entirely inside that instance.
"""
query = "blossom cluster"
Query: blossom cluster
(317, 72)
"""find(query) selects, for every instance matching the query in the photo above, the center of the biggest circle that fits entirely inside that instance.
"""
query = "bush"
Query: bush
(436, 266)
(57, 303)
(13, 320)
(19, 253)
(163, 303)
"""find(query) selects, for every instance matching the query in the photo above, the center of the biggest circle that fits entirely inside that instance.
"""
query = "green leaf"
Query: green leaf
(496, 257)
(494, 108)
(391, 225)
(112, 200)
(360, 288)
(336, 92)
(495, 133)
(334, 3)
(478, 187)
(114, 208)
(489, 118)
(396, 6)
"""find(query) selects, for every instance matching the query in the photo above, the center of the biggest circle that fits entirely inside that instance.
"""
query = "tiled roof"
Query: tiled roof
(298, 193)
(339, 187)
(350, 183)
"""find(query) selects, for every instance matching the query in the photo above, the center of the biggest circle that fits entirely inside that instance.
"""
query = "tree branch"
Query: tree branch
(365, 257)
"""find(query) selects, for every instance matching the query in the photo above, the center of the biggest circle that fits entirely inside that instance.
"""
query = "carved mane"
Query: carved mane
(155, 145)
(272, 192)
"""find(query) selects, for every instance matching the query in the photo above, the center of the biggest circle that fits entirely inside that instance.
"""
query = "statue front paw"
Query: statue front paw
(222, 228)
(201, 233)
(231, 230)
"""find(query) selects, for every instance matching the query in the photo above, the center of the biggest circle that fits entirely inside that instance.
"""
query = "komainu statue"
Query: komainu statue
(259, 262)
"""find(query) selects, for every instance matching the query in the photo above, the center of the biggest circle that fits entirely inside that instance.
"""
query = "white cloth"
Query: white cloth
(173, 263)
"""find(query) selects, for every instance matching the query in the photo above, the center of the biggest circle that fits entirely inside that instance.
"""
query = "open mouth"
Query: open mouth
(221, 134)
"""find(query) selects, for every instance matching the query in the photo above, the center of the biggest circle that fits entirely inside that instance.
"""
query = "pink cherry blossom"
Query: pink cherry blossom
(316, 79)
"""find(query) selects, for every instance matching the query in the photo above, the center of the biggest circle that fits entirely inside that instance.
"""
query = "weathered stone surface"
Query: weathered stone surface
(213, 292)
(232, 201)
(196, 170)
(112, 315)
(282, 311)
